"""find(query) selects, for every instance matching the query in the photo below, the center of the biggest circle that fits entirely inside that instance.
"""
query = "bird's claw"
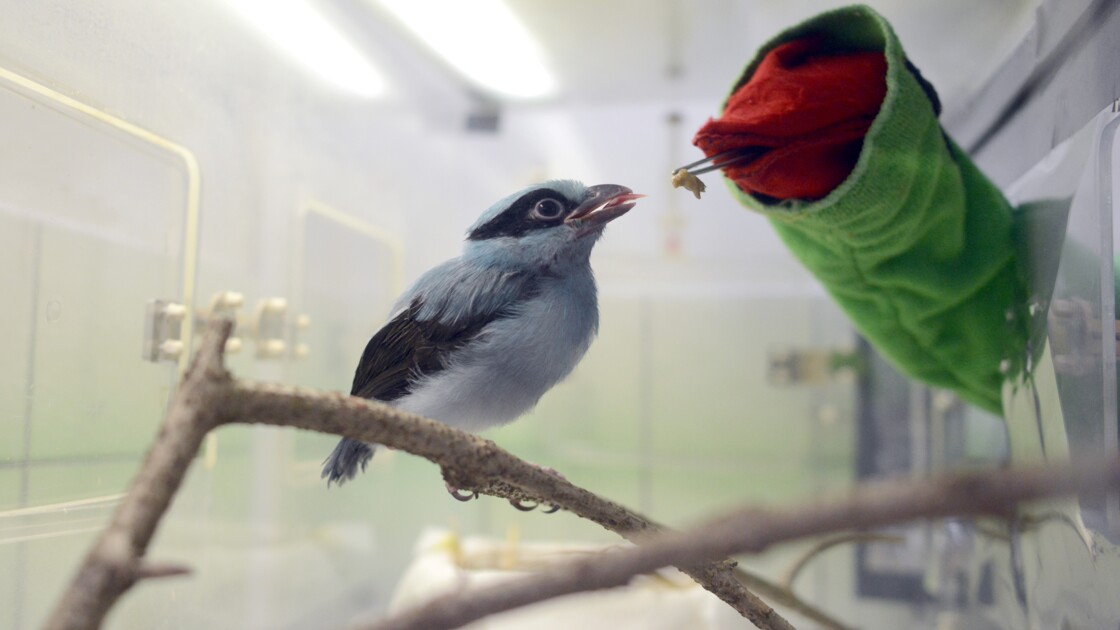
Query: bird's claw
(552, 509)
(517, 504)
(458, 494)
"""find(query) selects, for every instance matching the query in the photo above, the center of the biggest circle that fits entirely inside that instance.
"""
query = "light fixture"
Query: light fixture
(481, 39)
(310, 40)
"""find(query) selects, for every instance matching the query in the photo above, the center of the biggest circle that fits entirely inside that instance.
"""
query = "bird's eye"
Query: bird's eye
(548, 209)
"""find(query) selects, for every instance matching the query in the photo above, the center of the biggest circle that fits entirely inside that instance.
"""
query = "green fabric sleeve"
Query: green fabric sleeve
(916, 244)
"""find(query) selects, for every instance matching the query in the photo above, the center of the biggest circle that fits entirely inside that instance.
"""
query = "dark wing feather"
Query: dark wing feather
(407, 347)
(402, 350)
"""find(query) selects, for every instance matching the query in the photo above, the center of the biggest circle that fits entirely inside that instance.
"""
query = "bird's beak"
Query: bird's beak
(604, 203)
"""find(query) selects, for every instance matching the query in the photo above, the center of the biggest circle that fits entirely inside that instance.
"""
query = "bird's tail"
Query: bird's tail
(345, 460)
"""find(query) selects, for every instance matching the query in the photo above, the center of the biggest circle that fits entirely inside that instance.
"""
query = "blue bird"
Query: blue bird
(480, 338)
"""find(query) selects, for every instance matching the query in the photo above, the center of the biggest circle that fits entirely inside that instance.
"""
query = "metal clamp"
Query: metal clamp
(163, 329)
(810, 366)
(1077, 336)
(268, 328)
(226, 304)
(302, 349)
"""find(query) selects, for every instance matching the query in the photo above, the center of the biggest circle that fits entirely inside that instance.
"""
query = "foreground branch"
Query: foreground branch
(785, 597)
(114, 563)
(828, 543)
(209, 397)
(994, 493)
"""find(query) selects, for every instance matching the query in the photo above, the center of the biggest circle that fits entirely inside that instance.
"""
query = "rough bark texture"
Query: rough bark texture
(115, 562)
(209, 397)
(994, 493)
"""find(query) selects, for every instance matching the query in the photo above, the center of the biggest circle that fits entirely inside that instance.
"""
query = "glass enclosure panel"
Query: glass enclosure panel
(92, 226)
(19, 243)
(329, 202)
(103, 213)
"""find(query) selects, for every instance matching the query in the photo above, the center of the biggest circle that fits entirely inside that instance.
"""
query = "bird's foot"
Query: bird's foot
(458, 494)
(518, 504)
(552, 509)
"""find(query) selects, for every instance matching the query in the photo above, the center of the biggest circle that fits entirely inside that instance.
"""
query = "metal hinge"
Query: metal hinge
(226, 304)
(163, 327)
(268, 328)
(810, 366)
(271, 328)
(1077, 336)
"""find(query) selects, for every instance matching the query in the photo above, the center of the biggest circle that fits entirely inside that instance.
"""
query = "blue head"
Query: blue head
(552, 224)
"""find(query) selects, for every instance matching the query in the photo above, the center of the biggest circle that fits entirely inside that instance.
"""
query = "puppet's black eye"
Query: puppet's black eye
(548, 209)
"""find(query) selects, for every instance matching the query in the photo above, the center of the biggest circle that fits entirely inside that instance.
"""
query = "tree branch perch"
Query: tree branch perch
(992, 493)
(209, 397)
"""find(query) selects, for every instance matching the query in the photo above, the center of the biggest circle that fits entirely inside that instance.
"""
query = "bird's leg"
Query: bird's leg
(458, 494)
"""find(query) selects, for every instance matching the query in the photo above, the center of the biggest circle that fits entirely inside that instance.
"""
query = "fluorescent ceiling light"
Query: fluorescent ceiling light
(310, 40)
(483, 40)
